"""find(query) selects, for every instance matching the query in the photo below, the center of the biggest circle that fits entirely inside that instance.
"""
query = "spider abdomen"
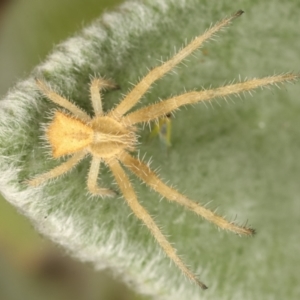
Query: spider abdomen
(67, 134)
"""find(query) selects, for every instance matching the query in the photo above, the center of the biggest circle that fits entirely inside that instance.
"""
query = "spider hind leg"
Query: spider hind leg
(58, 171)
(63, 102)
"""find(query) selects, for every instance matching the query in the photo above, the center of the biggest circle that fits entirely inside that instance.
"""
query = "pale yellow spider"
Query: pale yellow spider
(111, 137)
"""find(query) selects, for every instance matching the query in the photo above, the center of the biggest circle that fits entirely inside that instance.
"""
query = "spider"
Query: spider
(111, 137)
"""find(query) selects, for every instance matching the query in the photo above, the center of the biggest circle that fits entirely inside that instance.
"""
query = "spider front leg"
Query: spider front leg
(142, 171)
(96, 85)
(165, 107)
(92, 180)
(141, 88)
(59, 170)
(143, 215)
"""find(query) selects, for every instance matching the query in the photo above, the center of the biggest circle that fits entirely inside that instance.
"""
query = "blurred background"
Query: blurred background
(31, 267)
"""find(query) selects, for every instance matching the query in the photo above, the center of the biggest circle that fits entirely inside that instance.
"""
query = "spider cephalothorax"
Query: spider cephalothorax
(109, 138)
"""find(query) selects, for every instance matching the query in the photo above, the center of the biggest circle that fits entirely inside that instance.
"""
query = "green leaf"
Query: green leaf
(242, 155)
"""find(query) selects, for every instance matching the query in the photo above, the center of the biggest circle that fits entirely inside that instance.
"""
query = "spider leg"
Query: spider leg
(56, 98)
(162, 108)
(96, 85)
(142, 171)
(92, 180)
(143, 215)
(59, 170)
(141, 88)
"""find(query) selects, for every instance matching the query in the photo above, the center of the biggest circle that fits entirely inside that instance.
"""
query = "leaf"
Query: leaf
(242, 155)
